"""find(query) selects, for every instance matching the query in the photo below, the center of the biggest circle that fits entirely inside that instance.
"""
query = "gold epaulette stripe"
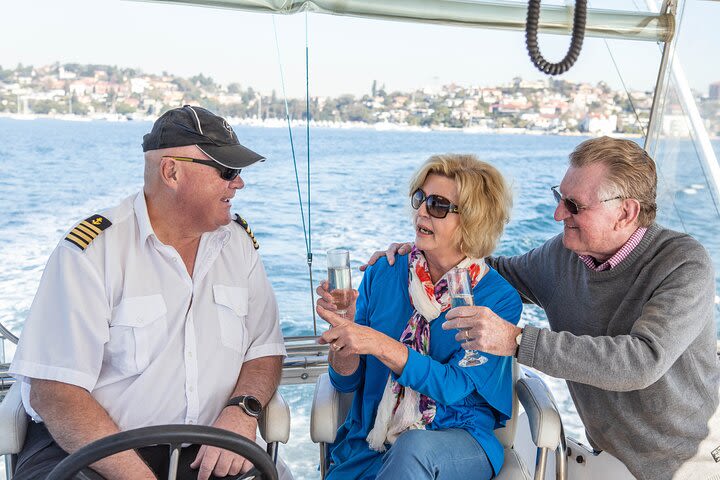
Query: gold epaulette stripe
(92, 227)
(241, 221)
(73, 239)
(78, 233)
(87, 230)
(90, 232)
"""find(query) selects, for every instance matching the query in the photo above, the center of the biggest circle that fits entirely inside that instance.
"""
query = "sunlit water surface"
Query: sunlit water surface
(56, 173)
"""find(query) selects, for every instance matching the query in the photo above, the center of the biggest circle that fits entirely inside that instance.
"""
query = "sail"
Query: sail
(501, 15)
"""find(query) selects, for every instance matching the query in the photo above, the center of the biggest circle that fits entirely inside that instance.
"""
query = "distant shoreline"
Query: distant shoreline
(282, 123)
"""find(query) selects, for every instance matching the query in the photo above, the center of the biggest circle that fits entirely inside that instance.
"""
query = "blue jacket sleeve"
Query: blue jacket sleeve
(347, 383)
(350, 383)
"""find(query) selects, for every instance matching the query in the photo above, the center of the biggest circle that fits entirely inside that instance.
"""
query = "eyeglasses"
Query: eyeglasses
(436, 205)
(226, 173)
(571, 205)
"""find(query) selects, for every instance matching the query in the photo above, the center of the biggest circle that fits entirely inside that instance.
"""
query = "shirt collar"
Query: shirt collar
(222, 233)
(619, 256)
(143, 219)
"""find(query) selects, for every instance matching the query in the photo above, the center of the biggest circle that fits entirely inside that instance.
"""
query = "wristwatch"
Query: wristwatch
(248, 403)
(518, 341)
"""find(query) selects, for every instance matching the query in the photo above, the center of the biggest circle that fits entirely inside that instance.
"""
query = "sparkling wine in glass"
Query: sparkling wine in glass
(460, 296)
(339, 280)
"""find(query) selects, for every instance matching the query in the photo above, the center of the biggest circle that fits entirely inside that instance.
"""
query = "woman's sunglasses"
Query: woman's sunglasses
(436, 205)
(571, 206)
(226, 173)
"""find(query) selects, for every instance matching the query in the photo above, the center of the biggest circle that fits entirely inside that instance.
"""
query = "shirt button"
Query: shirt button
(191, 388)
(189, 354)
(190, 422)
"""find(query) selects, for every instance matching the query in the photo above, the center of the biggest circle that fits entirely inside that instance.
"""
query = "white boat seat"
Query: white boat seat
(513, 467)
(544, 420)
(274, 422)
(13, 422)
(330, 408)
(545, 426)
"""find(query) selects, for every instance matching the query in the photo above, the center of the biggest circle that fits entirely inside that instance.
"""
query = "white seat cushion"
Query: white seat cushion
(513, 468)
(329, 409)
(13, 422)
(274, 422)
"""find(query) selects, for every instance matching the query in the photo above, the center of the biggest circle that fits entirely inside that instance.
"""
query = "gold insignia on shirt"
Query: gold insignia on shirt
(87, 230)
(241, 221)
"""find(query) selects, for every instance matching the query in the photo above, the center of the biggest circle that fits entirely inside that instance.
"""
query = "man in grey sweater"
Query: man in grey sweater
(630, 306)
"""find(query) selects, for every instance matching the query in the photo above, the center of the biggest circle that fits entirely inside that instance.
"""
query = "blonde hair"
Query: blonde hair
(630, 172)
(484, 200)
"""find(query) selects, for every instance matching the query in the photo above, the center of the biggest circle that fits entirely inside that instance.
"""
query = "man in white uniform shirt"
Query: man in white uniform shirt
(157, 311)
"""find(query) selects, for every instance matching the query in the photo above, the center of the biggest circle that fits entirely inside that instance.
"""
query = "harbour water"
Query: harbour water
(56, 173)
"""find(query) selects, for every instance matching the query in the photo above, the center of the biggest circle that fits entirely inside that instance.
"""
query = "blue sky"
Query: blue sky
(346, 54)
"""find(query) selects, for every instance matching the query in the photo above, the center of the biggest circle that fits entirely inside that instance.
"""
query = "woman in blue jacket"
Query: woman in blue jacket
(416, 413)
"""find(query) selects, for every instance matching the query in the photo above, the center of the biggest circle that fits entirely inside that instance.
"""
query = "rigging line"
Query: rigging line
(672, 198)
(707, 180)
(306, 232)
(307, 135)
(644, 131)
(698, 155)
(668, 84)
(292, 143)
(627, 92)
(657, 164)
(307, 139)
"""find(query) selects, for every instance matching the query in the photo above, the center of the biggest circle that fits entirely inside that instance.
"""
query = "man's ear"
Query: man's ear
(628, 213)
(169, 172)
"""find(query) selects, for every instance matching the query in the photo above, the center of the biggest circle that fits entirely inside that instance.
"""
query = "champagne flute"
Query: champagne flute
(460, 296)
(339, 280)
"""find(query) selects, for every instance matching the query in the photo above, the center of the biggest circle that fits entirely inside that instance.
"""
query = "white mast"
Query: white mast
(672, 69)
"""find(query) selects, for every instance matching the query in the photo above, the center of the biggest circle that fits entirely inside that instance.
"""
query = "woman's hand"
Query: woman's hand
(347, 340)
(340, 359)
(347, 336)
(326, 302)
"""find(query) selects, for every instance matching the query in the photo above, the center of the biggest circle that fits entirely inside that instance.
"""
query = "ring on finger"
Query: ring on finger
(467, 335)
(336, 347)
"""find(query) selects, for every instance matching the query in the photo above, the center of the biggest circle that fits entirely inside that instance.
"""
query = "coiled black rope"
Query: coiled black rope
(578, 35)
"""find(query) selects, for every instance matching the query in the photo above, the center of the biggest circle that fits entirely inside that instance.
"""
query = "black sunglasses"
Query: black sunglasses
(571, 205)
(226, 173)
(436, 205)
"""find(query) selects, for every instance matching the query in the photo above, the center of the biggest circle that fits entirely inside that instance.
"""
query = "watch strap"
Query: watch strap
(246, 402)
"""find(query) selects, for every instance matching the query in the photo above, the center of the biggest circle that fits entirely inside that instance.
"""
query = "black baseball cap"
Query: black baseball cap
(212, 134)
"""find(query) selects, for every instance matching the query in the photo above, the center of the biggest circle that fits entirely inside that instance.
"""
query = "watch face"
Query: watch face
(253, 404)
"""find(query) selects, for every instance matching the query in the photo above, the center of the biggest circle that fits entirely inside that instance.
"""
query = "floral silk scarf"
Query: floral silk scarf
(401, 408)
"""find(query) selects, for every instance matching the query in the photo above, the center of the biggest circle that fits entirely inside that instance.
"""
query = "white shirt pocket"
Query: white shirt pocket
(232, 307)
(138, 331)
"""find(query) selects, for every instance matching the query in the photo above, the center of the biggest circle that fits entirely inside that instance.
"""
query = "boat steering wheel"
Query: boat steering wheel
(175, 436)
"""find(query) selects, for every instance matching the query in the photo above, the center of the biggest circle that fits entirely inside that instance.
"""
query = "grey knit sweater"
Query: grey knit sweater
(637, 346)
